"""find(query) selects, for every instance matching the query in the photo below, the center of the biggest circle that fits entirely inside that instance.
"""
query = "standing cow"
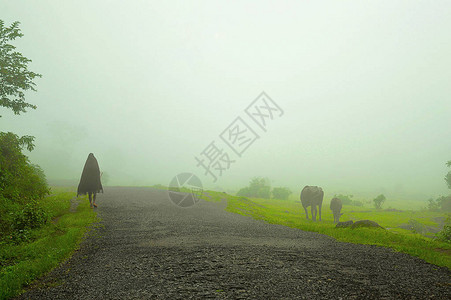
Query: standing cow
(335, 206)
(312, 196)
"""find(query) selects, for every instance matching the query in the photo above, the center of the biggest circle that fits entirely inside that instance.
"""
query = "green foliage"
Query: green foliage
(347, 200)
(19, 180)
(357, 203)
(22, 187)
(448, 179)
(31, 216)
(281, 193)
(445, 234)
(416, 226)
(442, 203)
(26, 260)
(445, 203)
(448, 176)
(378, 201)
(258, 188)
(433, 205)
(15, 78)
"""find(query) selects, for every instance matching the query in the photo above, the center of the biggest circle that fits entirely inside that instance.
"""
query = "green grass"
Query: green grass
(291, 213)
(21, 264)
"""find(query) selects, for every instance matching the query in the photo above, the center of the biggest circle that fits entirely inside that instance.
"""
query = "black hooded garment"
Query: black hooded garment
(90, 178)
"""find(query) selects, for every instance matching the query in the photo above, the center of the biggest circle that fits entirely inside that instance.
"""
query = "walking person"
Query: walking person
(90, 180)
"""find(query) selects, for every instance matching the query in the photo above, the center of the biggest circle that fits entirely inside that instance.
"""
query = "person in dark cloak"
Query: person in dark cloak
(90, 180)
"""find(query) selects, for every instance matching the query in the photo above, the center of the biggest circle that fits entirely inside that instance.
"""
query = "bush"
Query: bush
(433, 205)
(19, 180)
(417, 227)
(281, 193)
(258, 188)
(357, 203)
(442, 203)
(22, 186)
(448, 176)
(445, 234)
(31, 216)
(345, 199)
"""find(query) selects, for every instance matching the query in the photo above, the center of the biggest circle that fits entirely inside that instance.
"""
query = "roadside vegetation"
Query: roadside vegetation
(407, 231)
(37, 228)
(22, 186)
(27, 256)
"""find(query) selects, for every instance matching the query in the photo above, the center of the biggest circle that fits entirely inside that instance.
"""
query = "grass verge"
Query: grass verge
(21, 264)
(290, 213)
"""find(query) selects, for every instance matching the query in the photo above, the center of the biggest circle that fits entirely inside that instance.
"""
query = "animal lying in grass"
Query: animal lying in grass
(312, 196)
(335, 206)
(358, 224)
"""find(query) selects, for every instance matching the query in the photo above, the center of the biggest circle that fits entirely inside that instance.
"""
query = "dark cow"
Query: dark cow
(335, 206)
(312, 196)
(90, 180)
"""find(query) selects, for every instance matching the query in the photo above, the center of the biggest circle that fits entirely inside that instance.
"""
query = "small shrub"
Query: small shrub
(416, 227)
(357, 203)
(445, 234)
(31, 216)
(281, 193)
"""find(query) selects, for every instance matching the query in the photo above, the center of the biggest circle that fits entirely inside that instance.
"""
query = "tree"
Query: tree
(22, 184)
(442, 203)
(378, 201)
(281, 193)
(258, 188)
(345, 199)
(448, 176)
(433, 205)
(15, 78)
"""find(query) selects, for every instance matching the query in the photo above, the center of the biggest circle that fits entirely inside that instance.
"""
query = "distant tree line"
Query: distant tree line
(260, 187)
(442, 203)
(347, 200)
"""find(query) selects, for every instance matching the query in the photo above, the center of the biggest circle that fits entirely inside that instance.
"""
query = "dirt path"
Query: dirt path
(149, 248)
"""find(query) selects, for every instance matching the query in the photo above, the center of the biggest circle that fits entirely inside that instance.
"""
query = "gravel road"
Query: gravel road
(148, 248)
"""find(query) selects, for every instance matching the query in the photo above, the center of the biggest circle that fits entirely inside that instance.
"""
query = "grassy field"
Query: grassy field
(290, 213)
(21, 264)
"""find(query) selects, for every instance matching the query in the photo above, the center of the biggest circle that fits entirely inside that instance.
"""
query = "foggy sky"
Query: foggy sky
(147, 85)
